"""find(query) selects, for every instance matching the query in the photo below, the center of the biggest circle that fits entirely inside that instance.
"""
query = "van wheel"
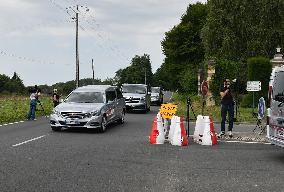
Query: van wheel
(102, 129)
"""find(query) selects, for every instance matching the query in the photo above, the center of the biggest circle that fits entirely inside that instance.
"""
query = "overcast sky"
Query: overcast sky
(37, 37)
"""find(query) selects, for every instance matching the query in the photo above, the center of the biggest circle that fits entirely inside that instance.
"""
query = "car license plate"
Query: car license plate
(280, 132)
(72, 122)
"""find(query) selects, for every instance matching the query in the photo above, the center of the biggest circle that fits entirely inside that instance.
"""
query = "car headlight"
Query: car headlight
(56, 112)
(94, 113)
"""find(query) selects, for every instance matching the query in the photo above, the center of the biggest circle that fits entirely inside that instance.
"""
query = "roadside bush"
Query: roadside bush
(246, 101)
(259, 69)
(188, 81)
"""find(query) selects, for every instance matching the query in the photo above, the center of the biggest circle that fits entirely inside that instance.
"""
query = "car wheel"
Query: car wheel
(102, 129)
(56, 128)
(122, 118)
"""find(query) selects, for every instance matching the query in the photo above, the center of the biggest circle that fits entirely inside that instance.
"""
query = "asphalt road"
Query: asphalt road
(33, 158)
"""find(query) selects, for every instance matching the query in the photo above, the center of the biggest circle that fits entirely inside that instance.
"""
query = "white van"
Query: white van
(275, 119)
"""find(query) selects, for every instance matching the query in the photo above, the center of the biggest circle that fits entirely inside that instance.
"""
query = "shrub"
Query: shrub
(259, 69)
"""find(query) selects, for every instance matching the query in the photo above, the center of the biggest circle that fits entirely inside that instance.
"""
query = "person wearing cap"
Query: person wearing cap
(55, 98)
(227, 106)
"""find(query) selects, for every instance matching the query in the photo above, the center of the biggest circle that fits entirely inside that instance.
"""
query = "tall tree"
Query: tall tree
(239, 29)
(183, 48)
(139, 71)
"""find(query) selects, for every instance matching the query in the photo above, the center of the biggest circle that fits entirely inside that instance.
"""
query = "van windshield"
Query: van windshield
(134, 89)
(278, 88)
(85, 97)
(155, 90)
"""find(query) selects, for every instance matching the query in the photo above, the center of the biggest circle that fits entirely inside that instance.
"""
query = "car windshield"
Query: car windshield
(134, 89)
(155, 90)
(278, 88)
(85, 97)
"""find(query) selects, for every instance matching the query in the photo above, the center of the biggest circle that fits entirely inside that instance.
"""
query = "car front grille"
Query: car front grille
(132, 100)
(73, 115)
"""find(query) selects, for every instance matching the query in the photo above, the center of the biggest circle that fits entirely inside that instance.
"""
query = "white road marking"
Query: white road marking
(12, 123)
(24, 142)
(245, 142)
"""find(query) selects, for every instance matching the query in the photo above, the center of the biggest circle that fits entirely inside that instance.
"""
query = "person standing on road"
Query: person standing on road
(55, 98)
(35, 93)
(227, 106)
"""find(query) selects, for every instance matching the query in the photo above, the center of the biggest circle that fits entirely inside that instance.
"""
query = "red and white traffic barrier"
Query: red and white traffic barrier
(158, 132)
(204, 132)
(179, 136)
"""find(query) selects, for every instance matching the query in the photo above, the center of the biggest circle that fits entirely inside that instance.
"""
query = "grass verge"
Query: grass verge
(244, 114)
(16, 108)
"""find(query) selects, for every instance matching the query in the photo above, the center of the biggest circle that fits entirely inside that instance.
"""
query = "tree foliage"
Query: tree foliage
(11, 85)
(135, 73)
(259, 69)
(183, 49)
(239, 29)
(225, 69)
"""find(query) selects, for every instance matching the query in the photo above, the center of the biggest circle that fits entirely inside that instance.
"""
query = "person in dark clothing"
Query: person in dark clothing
(55, 98)
(227, 106)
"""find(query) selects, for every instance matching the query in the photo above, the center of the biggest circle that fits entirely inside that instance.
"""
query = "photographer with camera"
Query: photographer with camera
(227, 106)
(34, 99)
(55, 98)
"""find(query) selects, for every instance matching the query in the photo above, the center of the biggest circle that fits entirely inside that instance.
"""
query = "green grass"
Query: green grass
(16, 108)
(244, 114)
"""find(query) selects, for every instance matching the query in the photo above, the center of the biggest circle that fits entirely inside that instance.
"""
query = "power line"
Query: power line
(30, 27)
(115, 50)
(24, 58)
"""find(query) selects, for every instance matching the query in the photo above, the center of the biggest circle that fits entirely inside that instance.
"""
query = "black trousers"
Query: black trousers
(228, 108)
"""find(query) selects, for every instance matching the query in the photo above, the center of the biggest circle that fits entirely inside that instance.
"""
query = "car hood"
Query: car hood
(79, 107)
(133, 95)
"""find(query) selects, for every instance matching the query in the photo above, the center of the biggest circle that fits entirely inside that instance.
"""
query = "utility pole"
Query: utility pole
(93, 71)
(76, 10)
(77, 51)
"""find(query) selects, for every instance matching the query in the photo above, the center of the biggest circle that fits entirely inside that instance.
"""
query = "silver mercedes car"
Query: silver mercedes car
(137, 97)
(92, 106)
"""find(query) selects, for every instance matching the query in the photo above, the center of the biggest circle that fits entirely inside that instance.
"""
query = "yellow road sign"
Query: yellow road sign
(168, 110)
